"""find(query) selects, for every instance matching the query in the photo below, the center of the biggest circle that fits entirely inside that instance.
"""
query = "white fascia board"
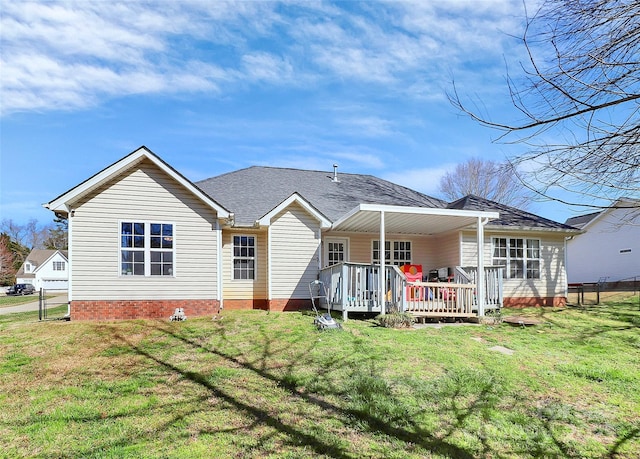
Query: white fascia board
(512, 229)
(620, 203)
(295, 197)
(416, 211)
(49, 258)
(60, 204)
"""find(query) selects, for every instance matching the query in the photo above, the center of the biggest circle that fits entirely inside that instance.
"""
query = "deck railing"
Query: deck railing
(493, 276)
(440, 299)
(355, 287)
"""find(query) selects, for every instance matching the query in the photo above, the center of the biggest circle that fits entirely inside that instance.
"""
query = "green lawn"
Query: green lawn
(6, 301)
(257, 384)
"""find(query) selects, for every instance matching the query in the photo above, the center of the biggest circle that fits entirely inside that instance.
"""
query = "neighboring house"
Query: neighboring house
(47, 269)
(608, 249)
(145, 240)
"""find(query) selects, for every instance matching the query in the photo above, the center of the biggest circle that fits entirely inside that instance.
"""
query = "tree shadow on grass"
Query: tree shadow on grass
(378, 412)
(338, 397)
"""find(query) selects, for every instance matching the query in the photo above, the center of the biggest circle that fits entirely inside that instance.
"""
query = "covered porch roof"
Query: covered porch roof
(365, 218)
(383, 219)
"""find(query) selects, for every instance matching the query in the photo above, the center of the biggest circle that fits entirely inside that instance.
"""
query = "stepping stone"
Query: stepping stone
(522, 321)
(502, 350)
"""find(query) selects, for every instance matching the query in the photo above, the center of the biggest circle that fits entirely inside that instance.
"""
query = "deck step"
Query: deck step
(441, 314)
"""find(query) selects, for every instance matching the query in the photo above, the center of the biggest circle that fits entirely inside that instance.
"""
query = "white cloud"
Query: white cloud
(425, 180)
(267, 67)
(368, 126)
(68, 55)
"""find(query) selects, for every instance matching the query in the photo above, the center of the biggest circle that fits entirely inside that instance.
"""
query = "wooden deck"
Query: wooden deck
(354, 287)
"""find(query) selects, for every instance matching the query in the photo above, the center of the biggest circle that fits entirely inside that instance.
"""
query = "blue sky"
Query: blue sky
(217, 86)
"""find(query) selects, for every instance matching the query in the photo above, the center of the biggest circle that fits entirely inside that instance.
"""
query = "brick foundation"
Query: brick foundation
(529, 302)
(289, 304)
(283, 304)
(140, 309)
(233, 305)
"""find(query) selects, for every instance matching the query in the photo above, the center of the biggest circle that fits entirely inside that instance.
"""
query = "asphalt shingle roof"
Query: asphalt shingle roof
(509, 216)
(252, 192)
(36, 257)
(581, 220)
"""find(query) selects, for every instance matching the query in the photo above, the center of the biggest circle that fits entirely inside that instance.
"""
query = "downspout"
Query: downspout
(566, 268)
(319, 250)
(70, 251)
(481, 278)
(382, 293)
(269, 267)
(219, 275)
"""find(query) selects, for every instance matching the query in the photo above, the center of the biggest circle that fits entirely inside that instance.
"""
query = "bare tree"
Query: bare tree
(487, 179)
(31, 234)
(581, 89)
(58, 235)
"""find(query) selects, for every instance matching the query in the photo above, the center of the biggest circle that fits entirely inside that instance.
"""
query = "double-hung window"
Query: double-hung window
(58, 265)
(244, 257)
(146, 249)
(520, 257)
(395, 253)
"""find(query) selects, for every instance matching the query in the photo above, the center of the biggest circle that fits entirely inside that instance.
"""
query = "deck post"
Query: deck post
(344, 286)
(382, 294)
(480, 278)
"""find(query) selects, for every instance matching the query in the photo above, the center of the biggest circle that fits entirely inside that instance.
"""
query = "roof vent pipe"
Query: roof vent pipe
(335, 174)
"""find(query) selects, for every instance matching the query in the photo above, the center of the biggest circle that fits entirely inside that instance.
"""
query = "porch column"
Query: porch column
(382, 294)
(480, 278)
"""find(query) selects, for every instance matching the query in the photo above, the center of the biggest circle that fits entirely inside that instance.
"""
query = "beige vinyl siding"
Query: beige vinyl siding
(552, 280)
(295, 250)
(143, 193)
(446, 251)
(244, 289)
(359, 247)
(423, 248)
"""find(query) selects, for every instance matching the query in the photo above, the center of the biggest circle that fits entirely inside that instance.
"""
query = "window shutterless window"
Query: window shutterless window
(400, 255)
(58, 265)
(335, 252)
(146, 249)
(244, 257)
(520, 257)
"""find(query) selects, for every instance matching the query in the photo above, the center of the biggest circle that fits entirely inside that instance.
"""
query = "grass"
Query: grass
(8, 300)
(257, 384)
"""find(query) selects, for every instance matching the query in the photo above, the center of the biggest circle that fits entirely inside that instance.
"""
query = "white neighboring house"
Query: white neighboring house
(609, 247)
(47, 269)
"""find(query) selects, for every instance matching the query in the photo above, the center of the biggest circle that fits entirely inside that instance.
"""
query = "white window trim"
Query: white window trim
(147, 248)
(62, 264)
(325, 247)
(391, 260)
(524, 258)
(255, 258)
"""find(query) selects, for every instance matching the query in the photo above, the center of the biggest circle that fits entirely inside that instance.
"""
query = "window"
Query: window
(521, 257)
(335, 252)
(400, 255)
(59, 265)
(146, 249)
(244, 257)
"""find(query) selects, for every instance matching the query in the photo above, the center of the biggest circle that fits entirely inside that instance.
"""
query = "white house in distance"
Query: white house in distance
(47, 269)
(609, 247)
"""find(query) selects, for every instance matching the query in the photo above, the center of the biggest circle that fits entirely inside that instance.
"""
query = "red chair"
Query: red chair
(413, 273)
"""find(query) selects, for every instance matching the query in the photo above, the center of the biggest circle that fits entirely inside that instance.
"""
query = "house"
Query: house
(608, 249)
(46, 269)
(145, 240)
